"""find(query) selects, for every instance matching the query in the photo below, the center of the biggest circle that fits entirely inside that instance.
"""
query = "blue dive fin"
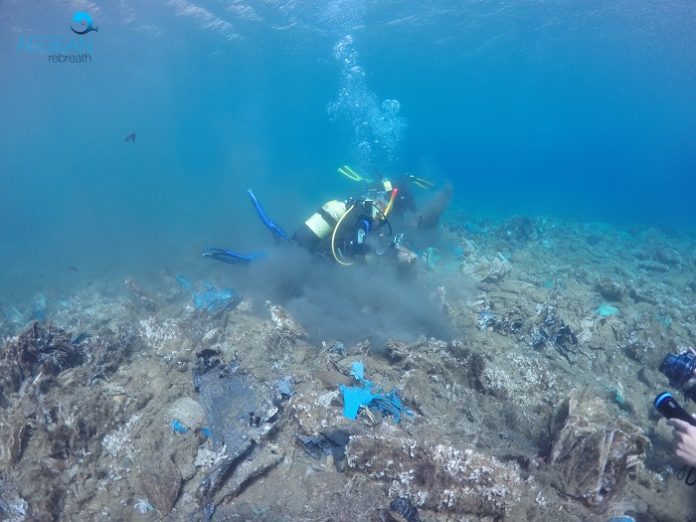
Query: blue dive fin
(278, 232)
(228, 256)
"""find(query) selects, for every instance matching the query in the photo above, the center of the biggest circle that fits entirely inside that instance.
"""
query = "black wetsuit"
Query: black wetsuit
(349, 241)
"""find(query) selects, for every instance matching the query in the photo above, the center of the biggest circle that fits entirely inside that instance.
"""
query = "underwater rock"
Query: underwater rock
(211, 337)
(401, 510)
(332, 443)
(139, 297)
(317, 411)
(108, 352)
(517, 228)
(166, 336)
(286, 332)
(15, 430)
(551, 330)
(592, 453)
(406, 259)
(548, 330)
(511, 324)
(667, 256)
(249, 470)
(486, 269)
(284, 322)
(330, 380)
(610, 289)
(189, 412)
(39, 350)
(13, 508)
(434, 475)
(651, 266)
(162, 484)
(53, 435)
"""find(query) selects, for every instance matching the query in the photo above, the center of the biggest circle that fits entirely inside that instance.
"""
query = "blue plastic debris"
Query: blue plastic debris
(206, 433)
(665, 320)
(390, 404)
(328, 443)
(214, 300)
(178, 427)
(285, 386)
(39, 308)
(338, 347)
(357, 370)
(607, 310)
(211, 299)
(431, 257)
(458, 252)
(12, 315)
(474, 229)
(370, 396)
(353, 398)
(486, 319)
(208, 512)
(184, 283)
(622, 518)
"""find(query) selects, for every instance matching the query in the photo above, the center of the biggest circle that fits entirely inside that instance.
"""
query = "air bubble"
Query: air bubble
(391, 107)
(373, 122)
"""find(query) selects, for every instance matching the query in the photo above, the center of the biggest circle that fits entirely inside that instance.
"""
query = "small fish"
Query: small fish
(130, 137)
(74, 269)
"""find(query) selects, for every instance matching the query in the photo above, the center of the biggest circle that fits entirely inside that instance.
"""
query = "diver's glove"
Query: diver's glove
(228, 256)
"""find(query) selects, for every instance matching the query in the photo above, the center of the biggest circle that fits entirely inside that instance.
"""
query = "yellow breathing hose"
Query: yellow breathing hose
(333, 238)
(391, 202)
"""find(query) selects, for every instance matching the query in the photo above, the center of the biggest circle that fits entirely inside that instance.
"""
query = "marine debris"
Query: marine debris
(139, 403)
(370, 396)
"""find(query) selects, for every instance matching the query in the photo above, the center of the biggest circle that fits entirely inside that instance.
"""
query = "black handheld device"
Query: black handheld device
(670, 408)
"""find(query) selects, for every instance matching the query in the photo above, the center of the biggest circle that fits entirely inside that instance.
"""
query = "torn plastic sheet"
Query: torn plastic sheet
(370, 396)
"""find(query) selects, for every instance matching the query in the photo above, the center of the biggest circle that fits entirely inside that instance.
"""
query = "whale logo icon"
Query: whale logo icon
(83, 22)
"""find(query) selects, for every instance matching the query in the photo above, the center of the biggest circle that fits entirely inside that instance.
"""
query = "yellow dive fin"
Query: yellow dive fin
(349, 173)
(421, 182)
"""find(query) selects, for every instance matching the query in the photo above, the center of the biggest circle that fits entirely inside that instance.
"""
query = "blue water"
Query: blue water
(581, 110)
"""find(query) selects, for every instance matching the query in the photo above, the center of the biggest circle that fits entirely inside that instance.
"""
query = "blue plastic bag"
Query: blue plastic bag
(370, 396)
(214, 300)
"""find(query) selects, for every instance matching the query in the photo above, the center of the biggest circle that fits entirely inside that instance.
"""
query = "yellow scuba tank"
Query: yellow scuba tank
(320, 224)
(323, 221)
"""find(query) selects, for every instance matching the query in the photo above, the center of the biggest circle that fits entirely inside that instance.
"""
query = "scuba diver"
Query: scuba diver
(338, 229)
(347, 231)
(680, 370)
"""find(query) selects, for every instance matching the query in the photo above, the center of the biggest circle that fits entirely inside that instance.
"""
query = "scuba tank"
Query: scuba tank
(320, 225)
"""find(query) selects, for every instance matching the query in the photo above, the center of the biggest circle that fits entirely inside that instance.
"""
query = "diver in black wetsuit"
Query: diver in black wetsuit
(338, 229)
(347, 231)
